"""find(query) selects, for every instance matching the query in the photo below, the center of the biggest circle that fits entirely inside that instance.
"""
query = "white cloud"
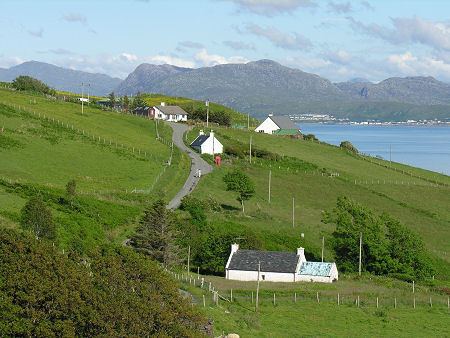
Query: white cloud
(293, 41)
(239, 45)
(339, 56)
(408, 31)
(37, 33)
(171, 60)
(10, 61)
(272, 8)
(207, 59)
(407, 64)
(340, 7)
(75, 17)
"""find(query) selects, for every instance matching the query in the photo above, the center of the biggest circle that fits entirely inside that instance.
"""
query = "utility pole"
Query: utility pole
(257, 287)
(250, 154)
(248, 121)
(360, 252)
(188, 262)
(323, 245)
(82, 98)
(89, 87)
(390, 154)
(207, 113)
(293, 212)
(270, 182)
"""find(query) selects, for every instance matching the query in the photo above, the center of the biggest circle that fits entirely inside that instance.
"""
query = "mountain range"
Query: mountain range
(62, 78)
(264, 86)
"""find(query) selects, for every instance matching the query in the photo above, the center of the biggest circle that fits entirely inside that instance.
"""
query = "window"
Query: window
(263, 277)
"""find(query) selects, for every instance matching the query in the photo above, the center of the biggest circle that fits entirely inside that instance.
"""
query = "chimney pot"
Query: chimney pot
(163, 104)
(234, 247)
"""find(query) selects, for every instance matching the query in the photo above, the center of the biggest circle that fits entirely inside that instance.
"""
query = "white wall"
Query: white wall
(253, 276)
(159, 115)
(308, 278)
(268, 126)
(212, 146)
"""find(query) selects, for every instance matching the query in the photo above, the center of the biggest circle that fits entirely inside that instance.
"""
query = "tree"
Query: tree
(240, 183)
(155, 235)
(112, 99)
(138, 101)
(37, 218)
(126, 103)
(31, 84)
(71, 188)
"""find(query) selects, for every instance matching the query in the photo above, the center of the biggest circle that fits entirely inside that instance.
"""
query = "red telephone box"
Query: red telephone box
(218, 160)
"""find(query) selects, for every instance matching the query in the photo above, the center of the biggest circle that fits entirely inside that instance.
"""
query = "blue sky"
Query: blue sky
(336, 39)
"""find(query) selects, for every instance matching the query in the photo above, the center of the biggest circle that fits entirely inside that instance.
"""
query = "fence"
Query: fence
(211, 296)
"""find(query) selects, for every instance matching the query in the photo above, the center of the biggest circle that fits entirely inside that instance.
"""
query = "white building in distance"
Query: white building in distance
(207, 144)
(168, 113)
(278, 125)
(277, 267)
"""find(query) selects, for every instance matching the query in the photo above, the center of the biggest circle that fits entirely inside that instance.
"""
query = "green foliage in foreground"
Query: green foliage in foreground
(388, 247)
(114, 293)
(28, 83)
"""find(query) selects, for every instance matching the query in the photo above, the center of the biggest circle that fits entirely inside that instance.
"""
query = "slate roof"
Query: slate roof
(286, 132)
(199, 140)
(172, 110)
(283, 122)
(271, 261)
(315, 269)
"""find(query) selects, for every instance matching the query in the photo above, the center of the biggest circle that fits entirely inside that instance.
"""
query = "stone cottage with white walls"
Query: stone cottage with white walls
(275, 266)
(207, 144)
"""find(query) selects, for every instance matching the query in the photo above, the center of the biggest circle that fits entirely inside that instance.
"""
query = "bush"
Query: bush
(346, 145)
(310, 137)
(31, 84)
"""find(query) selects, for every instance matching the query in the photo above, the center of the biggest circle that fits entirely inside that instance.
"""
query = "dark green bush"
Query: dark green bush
(31, 84)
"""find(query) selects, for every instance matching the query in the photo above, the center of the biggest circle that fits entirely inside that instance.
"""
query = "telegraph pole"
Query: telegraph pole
(250, 154)
(293, 212)
(390, 154)
(82, 98)
(270, 182)
(323, 245)
(207, 113)
(248, 121)
(360, 252)
(188, 262)
(257, 287)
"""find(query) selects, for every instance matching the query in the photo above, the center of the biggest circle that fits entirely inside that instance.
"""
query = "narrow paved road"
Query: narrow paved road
(196, 163)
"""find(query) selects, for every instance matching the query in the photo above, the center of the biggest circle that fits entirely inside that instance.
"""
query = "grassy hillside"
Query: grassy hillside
(418, 198)
(115, 159)
(238, 119)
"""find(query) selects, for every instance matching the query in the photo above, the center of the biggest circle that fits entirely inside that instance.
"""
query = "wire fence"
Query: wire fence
(211, 296)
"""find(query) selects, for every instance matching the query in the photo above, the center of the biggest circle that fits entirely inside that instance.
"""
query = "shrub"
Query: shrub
(346, 145)
(31, 84)
(310, 137)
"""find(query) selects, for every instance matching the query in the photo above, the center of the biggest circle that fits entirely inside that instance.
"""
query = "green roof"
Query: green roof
(286, 132)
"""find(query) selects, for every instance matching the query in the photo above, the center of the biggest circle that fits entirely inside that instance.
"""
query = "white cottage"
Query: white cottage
(169, 113)
(277, 267)
(207, 144)
(278, 125)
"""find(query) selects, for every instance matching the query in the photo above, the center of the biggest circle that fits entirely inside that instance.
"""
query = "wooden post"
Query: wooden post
(231, 295)
(360, 254)
(338, 300)
(248, 121)
(377, 302)
(204, 301)
(198, 272)
(431, 302)
(395, 302)
(414, 302)
(413, 286)
(274, 301)
(257, 288)
(295, 297)
(270, 182)
(317, 295)
(252, 297)
(358, 301)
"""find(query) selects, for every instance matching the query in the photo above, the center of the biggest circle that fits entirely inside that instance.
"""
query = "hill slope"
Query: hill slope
(62, 78)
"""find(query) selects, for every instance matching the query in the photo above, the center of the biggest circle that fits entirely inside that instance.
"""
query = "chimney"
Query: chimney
(201, 132)
(211, 133)
(234, 247)
(271, 114)
(301, 253)
(163, 104)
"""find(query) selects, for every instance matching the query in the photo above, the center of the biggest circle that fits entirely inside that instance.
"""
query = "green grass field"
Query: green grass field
(116, 160)
(421, 205)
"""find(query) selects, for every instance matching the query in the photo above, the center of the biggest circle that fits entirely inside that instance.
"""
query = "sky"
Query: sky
(338, 40)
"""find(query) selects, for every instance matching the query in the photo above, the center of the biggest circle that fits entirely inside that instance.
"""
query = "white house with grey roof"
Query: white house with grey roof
(169, 113)
(278, 125)
(277, 266)
(207, 144)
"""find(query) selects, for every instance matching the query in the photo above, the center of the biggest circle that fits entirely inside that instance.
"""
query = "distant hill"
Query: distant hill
(62, 78)
(264, 86)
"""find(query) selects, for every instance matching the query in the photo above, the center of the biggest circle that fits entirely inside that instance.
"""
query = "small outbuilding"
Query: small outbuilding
(169, 113)
(278, 125)
(277, 266)
(207, 144)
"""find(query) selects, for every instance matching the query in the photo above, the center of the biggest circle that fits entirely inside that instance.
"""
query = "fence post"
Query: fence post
(317, 295)
(231, 295)
(414, 302)
(395, 302)
(295, 297)
(252, 297)
(431, 303)
(204, 301)
(338, 300)
(377, 302)
(274, 302)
